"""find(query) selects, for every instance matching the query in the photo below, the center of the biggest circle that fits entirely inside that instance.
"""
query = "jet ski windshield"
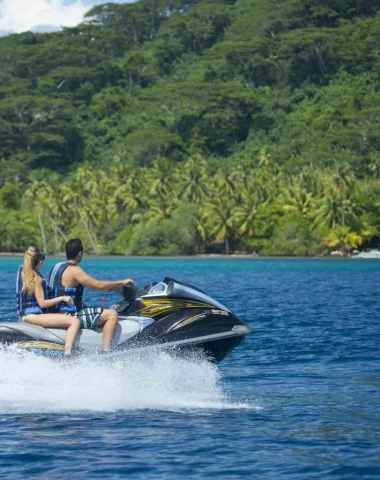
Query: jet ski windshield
(159, 289)
(173, 288)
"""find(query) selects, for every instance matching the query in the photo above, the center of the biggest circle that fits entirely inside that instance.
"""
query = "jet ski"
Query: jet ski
(171, 315)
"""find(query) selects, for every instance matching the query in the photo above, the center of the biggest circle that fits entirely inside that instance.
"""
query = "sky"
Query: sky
(18, 16)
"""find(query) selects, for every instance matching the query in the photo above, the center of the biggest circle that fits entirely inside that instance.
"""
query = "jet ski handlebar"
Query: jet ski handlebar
(129, 292)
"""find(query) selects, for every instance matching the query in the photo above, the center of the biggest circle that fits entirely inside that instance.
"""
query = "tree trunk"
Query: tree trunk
(227, 246)
(93, 243)
(58, 229)
(54, 228)
(57, 246)
(43, 236)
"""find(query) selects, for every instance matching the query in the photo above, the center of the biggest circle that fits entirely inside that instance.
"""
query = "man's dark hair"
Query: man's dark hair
(73, 247)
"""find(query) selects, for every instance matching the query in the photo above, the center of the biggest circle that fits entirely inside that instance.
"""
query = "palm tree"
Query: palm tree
(342, 179)
(53, 207)
(265, 158)
(33, 196)
(74, 192)
(268, 183)
(160, 208)
(343, 238)
(161, 177)
(241, 177)
(332, 210)
(328, 212)
(192, 180)
(203, 231)
(219, 214)
(95, 186)
(225, 181)
(296, 198)
(244, 215)
(374, 164)
(312, 181)
(127, 192)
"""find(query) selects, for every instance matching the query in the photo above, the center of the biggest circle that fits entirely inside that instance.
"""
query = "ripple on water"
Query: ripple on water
(299, 399)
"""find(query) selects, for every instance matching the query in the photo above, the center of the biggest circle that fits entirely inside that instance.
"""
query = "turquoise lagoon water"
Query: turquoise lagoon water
(299, 399)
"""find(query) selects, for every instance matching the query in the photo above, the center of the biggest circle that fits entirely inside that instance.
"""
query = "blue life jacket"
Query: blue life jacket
(58, 290)
(27, 302)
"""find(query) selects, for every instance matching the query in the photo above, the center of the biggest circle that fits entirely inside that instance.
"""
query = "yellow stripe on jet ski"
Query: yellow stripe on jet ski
(171, 301)
(189, 320)
(158, 305)
(37, 344)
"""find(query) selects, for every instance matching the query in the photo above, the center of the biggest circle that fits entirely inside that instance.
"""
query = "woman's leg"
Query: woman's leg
(57, 320)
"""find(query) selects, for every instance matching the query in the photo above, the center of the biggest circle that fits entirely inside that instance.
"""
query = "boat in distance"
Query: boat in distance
(170, 314)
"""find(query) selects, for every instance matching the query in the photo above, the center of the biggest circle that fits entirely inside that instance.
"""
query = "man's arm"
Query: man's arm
(79, 276)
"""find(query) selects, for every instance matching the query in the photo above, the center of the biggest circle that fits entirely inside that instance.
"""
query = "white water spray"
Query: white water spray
(31, 384)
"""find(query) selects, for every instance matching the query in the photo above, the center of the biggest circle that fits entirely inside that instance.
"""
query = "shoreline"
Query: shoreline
(196, 256)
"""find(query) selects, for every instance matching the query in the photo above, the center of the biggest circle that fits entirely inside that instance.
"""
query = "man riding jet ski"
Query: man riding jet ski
(169, 314)
(67, 278)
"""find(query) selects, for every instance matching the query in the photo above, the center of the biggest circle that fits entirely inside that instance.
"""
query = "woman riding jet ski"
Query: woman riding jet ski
(169, 314)
(33, 300)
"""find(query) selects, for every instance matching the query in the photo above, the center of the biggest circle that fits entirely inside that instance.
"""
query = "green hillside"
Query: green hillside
(168, 127)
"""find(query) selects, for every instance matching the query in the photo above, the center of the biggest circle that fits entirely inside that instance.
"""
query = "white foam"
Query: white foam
(31, 384)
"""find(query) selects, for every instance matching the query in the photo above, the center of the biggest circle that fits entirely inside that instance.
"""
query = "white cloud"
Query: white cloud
(21, 15)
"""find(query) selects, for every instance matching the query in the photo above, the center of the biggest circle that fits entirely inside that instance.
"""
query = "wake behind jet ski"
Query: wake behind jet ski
(170, 314)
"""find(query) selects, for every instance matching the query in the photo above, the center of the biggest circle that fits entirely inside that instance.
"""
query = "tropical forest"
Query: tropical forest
(172, 127)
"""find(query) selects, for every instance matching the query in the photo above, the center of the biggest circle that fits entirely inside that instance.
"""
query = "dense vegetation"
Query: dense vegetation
(172, 127)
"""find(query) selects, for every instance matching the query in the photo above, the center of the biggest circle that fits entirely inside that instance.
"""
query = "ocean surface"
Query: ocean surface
(299, 399)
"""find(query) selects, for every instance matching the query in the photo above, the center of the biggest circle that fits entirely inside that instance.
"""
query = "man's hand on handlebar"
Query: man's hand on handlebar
(128, 281)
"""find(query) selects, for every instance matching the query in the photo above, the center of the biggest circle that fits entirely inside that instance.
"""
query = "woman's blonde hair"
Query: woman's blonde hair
(30, 279)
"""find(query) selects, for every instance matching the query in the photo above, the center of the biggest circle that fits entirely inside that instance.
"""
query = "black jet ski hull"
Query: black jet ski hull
(212, 350)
